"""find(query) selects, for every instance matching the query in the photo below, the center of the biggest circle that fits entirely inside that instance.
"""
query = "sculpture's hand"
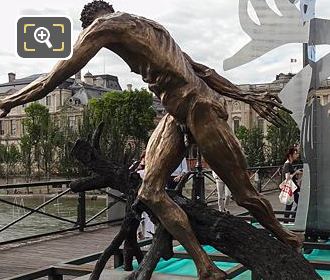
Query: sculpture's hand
(267, 106)
(90, 41)
(4, 109)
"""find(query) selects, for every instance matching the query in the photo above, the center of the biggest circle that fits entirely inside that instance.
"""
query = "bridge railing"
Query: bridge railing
(263, 178)
(80, 223)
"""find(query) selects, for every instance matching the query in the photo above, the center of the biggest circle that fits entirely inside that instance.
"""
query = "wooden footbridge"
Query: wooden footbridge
(24, 258)
(72, 252)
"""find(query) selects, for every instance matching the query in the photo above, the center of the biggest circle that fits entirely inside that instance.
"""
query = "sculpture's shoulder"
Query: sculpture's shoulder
(137, 21)
(150, 22)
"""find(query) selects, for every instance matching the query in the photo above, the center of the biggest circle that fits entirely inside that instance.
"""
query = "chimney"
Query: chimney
(11, 77)
(129, 87)
(99, 82)
(77, 77)
(88, 78)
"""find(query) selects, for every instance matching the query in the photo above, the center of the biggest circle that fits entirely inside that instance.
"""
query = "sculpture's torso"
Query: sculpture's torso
(150, 51)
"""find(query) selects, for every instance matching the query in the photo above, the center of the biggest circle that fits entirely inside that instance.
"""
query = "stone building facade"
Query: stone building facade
(75, 92)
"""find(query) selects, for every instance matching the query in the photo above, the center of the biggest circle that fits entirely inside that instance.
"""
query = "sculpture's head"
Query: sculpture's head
(93, 10)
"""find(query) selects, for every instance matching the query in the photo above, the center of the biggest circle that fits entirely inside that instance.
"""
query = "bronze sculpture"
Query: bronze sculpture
(191, 93)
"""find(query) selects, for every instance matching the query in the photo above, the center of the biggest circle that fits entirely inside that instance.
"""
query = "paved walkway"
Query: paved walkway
(35, 255)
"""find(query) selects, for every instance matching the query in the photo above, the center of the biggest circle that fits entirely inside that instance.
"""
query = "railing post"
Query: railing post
(257, 181)
(198, 187)
(55, 277)
(52, 275)
(118, 259)
(82, 211)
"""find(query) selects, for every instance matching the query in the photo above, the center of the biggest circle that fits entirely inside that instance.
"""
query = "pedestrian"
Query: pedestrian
(177, 175)
(291, 174)
(147, 227)
(224, 193)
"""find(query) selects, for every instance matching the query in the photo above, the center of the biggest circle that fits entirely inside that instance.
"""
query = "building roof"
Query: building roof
(23, 81)
(106, 76)
(17, 84)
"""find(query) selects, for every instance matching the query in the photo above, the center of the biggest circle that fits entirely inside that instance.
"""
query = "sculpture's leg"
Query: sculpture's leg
(164, 153)
(222, 152)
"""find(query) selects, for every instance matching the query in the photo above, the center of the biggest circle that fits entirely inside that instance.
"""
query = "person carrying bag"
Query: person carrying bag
(289, 187)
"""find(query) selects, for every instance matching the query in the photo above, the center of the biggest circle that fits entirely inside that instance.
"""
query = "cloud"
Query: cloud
(73, 14)
(42, 12)
(6, 54)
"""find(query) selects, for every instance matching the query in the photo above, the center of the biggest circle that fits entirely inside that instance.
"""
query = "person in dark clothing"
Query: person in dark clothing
(291, 174)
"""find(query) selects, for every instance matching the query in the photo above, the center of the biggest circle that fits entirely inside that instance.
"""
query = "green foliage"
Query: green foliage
(128, 118)
(47, 141)
(26, 156)
(252, 141)
(9, 157)
(42, 137)
(37, 122)
(67, 165)
(280, 139)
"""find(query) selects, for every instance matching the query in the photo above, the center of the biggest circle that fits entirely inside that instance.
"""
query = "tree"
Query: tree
(280, 139)
(51, 142)
(9, 156)
(252, 141)
(26, 156)
(2, 158)
(67, 165)
(35, 128)
(128, 118)
(42, 137)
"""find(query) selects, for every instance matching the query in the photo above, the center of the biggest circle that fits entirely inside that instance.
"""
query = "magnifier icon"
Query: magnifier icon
(41, 35)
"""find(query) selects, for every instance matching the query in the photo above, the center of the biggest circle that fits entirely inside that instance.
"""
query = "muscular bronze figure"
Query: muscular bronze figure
(192, 94)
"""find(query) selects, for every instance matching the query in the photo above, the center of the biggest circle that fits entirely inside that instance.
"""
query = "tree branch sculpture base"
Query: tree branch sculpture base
(254, 248)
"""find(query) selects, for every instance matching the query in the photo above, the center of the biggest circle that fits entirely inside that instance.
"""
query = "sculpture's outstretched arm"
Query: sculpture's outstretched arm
(84, 49)
(265, 105)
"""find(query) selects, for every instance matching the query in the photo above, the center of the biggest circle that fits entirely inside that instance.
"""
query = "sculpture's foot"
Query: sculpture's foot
(213, 273)
(296, 241)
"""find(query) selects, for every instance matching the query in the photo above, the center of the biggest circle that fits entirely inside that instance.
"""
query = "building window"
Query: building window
(261, 124)
(236, 125)
(2, 131)
(48, 100)
(72, 122)
(236, 106)
(13, 127)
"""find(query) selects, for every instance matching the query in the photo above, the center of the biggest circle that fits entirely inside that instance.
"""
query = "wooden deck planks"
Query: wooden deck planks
(33, 256)
(122, 275)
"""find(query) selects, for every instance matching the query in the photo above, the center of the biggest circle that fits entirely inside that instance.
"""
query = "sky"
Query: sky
(208, 30)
